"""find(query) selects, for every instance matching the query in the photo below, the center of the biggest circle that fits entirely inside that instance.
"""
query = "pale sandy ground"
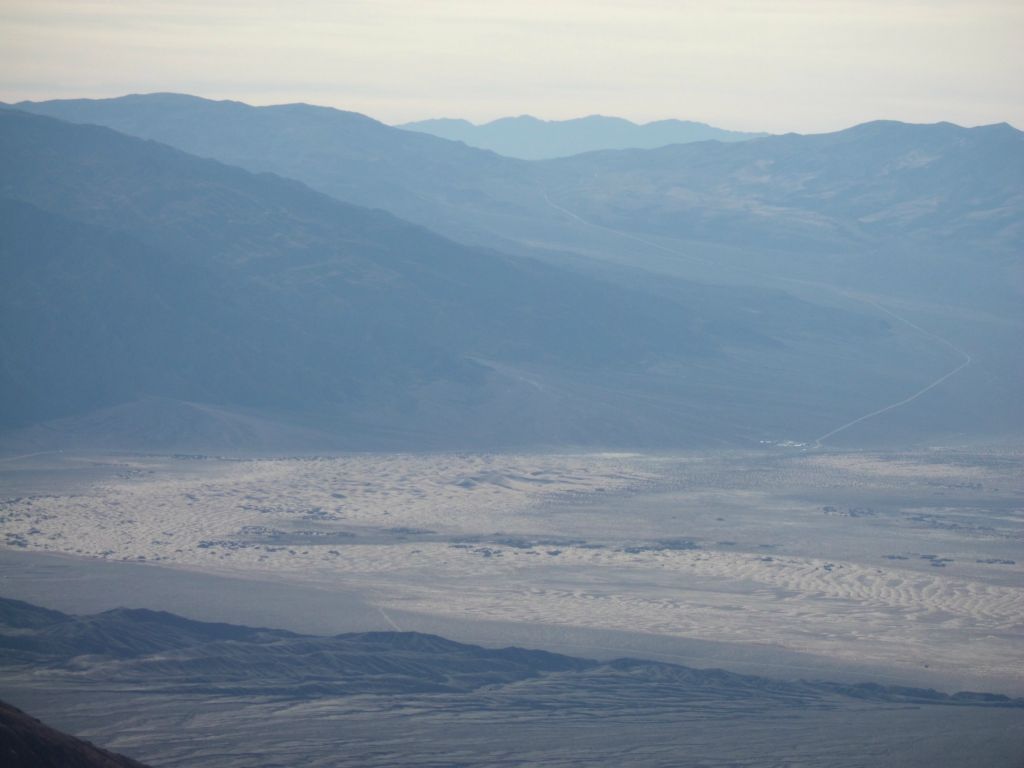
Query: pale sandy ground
(901, 561)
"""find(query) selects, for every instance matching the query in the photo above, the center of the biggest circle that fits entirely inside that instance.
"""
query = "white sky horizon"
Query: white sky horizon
(754, 65)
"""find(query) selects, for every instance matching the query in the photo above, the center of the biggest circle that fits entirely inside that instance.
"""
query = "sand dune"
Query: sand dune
(603, 541)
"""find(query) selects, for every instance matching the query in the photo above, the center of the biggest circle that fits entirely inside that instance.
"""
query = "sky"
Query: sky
(782, 65)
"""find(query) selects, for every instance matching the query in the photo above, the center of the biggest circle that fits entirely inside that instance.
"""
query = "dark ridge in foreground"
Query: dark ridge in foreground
(182, 693)
(136, 646)
(28, 743)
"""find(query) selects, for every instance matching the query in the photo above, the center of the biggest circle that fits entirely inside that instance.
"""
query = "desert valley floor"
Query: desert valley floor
(906, 568)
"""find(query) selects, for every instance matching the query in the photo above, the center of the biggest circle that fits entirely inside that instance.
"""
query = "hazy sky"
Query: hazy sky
(777, 65)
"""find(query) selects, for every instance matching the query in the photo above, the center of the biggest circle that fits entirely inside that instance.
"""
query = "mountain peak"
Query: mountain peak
(532, 138)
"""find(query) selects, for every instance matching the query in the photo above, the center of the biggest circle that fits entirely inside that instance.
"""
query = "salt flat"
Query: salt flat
(903, 562)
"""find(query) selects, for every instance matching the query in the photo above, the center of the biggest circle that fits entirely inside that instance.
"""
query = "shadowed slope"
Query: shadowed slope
(27, 743)
(134, 271)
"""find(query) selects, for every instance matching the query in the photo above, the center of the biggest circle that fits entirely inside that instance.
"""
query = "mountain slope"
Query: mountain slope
(189, 693)
(817, 207)
(27, 743)
(133, 270)
(823, 205)
(345, 154)
(149, 272)
(478, 347)
(882, 205)
(529, 138)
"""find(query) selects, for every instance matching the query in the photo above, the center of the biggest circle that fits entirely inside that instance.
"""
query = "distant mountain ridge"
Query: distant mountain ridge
(530, 138)
(161, 274)
(882, 186)
(917, 218)
(147, 290)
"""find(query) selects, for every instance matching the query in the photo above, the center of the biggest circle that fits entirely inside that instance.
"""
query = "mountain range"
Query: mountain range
(806, 206)
(696, 294)
(135, 271)
(530, 138)
(173, 691)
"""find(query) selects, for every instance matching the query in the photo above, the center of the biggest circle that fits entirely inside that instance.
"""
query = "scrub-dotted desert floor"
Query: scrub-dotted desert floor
(899, 562)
